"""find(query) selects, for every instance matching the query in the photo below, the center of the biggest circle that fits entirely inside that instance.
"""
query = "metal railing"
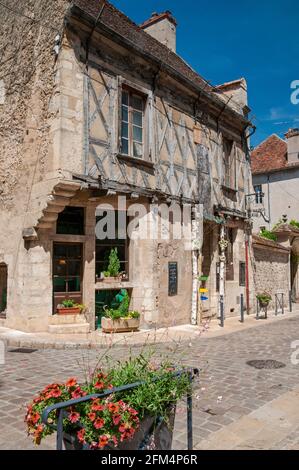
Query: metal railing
(63, 406)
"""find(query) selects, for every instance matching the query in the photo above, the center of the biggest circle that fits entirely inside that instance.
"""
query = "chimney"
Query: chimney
(292, 137)
(237, 91)
(162, 26)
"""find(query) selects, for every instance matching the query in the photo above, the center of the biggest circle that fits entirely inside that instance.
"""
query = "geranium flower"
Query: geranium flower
(77, 393)
(132, 411)
(92, 416)
(80, 435)
(103, 441)
(96, 406)
(99, 385)
(113, 407)
(71, 382)
(115, 441)
(116, 419)
(74, 417)
(99, 423)
(34, 417)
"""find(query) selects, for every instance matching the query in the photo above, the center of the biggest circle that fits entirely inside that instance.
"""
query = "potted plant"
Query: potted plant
(113, 270)
(264, 299)
(69, 307)
(121, 319)
(127, 419)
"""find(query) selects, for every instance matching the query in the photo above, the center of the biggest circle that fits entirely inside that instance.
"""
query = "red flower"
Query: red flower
(99, 385)
(132, 411)
(113, 407)
(56, 393)
(116, 419)
(80, 435)
(96, 406)
(34, 417)
(99, 423)
(78, 392)
(122, 428)
(74, 417)
(115, 441)
(103, 441)
(71, 382)
(92, 416)
(38, 434)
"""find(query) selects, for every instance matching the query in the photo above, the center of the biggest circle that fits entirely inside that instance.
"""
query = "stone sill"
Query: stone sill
(102, 285)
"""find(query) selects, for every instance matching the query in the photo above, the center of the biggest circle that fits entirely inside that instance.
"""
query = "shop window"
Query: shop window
(119, 241)
(132, 123)
(71, 221)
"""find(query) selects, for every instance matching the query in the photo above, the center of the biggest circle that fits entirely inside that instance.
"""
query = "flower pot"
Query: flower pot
(68, 310)
(121, 325)
(152, 434)
(111, 279)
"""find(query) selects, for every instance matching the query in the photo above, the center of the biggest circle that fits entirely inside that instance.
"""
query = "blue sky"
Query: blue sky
(225, 40)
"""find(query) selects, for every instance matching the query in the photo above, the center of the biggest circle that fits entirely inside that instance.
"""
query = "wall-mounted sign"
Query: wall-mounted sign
(202, 290)
(203, 297)
(203, 278)
(172, 278)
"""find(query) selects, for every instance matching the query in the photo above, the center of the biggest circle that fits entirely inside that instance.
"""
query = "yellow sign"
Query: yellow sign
(203, 291)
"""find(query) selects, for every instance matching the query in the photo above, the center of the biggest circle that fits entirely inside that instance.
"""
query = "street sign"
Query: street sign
(204, 278)
(202, 290)
(203, 297)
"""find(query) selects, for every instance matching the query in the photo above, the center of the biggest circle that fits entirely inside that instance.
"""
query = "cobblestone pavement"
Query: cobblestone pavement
(235, 405)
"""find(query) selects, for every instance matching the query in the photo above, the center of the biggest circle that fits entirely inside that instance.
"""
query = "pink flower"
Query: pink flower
(116, 419)
(99, 423)
(74, 417)
(80, 435)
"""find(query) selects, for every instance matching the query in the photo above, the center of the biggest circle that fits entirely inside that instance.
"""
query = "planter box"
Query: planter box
(153, 434)
(68, 310)
(120, 326)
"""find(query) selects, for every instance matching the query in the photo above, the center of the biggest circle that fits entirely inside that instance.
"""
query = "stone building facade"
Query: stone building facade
(107, 117)
(271, 268)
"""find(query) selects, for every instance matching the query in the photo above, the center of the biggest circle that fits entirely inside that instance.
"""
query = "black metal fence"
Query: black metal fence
(61, 408)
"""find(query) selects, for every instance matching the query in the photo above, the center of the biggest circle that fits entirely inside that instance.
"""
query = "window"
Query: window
(3, 287)
(132, 123)
(104, 247)
(230, 255)
(242, 270)
(229, 163)
(258, 194)
(71, 221)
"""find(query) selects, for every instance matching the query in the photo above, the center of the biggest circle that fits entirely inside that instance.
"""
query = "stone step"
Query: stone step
(66, 319)
(70, 328)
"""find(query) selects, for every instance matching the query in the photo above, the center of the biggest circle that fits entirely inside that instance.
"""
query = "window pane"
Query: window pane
(137, 118)
(137, 149)
(124, 130)
(59, 268)
(71, 221)
(124, 146)
(59, 284)
(137, 133)
(74, 251)
(125, 98)
(74, 284)
(60, 251)
(137, 102)
(125, 114)
(74, 268)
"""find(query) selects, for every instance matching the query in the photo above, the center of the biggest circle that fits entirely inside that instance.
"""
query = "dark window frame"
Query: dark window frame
(230, 275)
(258, 193)
(242, 273)
(71, 212)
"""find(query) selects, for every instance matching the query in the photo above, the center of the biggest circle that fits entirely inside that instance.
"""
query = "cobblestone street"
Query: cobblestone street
(235, 405)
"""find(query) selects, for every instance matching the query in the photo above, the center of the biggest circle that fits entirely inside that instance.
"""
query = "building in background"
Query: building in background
(96, 108)
(275, 173)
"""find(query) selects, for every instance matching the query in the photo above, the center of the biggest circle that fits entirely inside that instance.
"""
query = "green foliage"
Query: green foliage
(294, 223)
(153, 398)
(269, 235)
(114, 264)
(264, 297)
(69, 303)
(123, 310)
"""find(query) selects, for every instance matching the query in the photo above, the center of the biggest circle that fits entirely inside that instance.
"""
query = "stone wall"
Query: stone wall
(272, 269)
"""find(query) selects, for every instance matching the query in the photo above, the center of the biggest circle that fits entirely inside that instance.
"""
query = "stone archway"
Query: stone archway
(3, 289)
